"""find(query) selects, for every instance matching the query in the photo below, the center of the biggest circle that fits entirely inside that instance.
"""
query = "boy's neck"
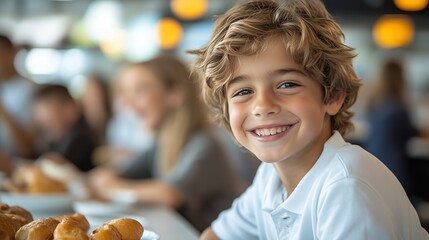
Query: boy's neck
(292, 170)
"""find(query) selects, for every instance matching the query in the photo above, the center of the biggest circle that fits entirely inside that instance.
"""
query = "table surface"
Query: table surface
(166, 222)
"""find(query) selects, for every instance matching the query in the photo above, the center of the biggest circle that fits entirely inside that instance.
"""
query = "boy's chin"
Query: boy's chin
(268, 158)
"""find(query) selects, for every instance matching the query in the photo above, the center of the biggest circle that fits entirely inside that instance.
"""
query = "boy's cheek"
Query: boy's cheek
(236, 121)
(235, 118)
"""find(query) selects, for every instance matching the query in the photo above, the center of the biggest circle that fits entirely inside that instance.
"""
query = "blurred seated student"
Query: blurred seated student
(244, 162)
(187, 168)
(62, 127)
(390, 123)
(16, 133)
(126, 137)
(96, 105)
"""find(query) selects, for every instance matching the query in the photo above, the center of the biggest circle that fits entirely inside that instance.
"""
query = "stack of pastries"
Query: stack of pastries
(17, 223)
(32, 179)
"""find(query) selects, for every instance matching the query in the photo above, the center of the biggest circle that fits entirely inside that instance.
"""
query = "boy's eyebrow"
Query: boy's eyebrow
(283, 71)
(274, 73)
(237, 79)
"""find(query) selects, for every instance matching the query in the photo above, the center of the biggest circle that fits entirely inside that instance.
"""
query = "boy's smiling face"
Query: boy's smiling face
(276, 109)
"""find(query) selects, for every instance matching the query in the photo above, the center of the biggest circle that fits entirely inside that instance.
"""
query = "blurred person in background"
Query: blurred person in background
(16, 133)
(244, 162)
(187, 168)
(5, 164)
(97, 105)
(126, 137)
(390, 126)
(61, 127)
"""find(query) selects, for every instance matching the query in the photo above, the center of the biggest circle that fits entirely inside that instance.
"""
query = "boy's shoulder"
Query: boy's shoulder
(352, 162)
(356, 162)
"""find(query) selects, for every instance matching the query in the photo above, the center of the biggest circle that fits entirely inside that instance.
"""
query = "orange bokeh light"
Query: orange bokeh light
(114, 46)
(392, 31)
(411, 5)
(189, 9)
(169, 33)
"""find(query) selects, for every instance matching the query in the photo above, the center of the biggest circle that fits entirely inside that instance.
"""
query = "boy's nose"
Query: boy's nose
(265, 105)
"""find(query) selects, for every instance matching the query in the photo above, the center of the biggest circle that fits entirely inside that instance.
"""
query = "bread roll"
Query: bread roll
(129, 229)
(70, 229)
(41, 229)
(105, 232)
(9, 225)
(84, 224)
(31, 179)
(3, 235)
(4, 208)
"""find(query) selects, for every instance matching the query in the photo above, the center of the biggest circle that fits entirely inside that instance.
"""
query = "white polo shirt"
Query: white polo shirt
(347, 194)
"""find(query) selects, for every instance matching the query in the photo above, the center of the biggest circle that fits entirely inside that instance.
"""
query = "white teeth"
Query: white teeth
(266, 132)
(270, 131)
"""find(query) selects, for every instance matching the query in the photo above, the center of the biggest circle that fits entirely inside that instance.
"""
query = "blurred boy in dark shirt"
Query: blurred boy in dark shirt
(62, 127)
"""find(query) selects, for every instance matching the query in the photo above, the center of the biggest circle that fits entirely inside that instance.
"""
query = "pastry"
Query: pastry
(105, 232)
(70, 229)
(9, 224)
(41, 229)
(84, 224)
(3, 235)
(126, 228)
(129, 229)
(4, 208)
(31, 179)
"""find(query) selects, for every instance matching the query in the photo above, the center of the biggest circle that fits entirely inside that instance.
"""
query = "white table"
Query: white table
(168, 223)
(162, 220)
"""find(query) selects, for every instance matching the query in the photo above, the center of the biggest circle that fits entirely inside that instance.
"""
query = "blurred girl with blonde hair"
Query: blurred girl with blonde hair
(186, 169)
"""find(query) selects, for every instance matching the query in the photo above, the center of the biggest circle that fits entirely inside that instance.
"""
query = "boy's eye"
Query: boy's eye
(288, 85)
(242, 92)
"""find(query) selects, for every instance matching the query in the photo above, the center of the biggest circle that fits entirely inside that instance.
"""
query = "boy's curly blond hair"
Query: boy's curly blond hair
(310, 36)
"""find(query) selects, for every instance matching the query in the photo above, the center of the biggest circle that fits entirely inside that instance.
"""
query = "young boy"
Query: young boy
(280, 79)
(62, 126)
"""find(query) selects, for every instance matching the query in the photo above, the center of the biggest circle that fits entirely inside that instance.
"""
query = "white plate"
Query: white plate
(149, 235)
(97, 208)
(39, 202)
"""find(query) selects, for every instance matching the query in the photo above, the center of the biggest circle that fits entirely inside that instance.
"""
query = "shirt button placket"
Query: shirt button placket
(283, 227)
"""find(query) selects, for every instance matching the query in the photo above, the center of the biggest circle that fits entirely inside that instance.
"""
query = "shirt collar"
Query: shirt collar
(272, 197)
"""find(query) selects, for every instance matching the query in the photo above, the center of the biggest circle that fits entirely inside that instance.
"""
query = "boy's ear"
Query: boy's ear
(335, 105)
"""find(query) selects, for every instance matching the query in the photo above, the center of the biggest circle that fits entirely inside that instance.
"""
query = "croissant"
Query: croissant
(41, 229)
(9, 224)
(105, 232)
(70, 229)
(129, 229)
(4, 208)
(83, 222)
